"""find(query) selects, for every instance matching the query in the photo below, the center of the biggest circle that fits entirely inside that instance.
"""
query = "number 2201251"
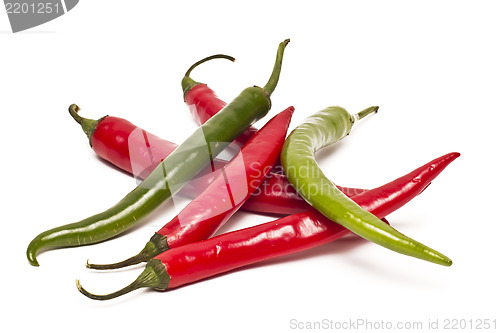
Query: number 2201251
(32, 8)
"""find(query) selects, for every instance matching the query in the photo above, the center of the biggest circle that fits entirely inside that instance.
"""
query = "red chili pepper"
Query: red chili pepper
(235, 183)
(129, 147)
(290, 234)
(138, 152)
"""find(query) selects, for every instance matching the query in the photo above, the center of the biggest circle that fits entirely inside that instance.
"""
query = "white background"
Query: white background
(432, 67)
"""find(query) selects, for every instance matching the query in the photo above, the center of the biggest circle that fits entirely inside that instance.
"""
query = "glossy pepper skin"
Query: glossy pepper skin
(166, 179)
(234, 184)
(128, 147)
(297, 158)
(290, 234)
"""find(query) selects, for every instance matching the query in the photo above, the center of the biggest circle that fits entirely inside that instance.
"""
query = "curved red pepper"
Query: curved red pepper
(289, 234)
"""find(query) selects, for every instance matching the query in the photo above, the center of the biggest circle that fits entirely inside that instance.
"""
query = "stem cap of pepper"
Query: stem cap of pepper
(88, 125)
(156, 245)
(154, 276)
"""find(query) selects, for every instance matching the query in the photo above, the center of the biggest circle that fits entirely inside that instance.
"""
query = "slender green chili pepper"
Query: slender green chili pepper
(297, 157)
(169, 176)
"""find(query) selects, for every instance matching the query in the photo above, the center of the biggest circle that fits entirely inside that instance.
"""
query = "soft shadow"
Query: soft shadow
(339, 246)
(111, 165)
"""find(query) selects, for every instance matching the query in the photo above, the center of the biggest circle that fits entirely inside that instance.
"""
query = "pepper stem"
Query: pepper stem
(360, 115)
(153, 276)
(156, 245)
(140, 257)
(188, 83)
(138, 283)
(88, 125)
(275, 75)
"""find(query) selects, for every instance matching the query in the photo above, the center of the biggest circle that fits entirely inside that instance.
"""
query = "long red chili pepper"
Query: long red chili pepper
(235, 183)
(138, 152)
(290, 234)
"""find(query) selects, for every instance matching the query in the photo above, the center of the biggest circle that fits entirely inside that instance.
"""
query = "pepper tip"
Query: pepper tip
(31, 254)
(74, 107)
(448, 262)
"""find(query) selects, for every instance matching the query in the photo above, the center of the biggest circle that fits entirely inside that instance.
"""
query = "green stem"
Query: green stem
(88, 125)
(215, 56)
(138, 258)
(153, 276)
(360, 115)
(188, 83)
(273, 80)
(156, 245)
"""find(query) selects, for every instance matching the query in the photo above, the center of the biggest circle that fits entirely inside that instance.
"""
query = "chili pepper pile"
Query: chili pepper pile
(269, 174)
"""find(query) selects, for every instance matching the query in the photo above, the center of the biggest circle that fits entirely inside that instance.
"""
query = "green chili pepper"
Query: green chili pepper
(166, 179)
(297, 157)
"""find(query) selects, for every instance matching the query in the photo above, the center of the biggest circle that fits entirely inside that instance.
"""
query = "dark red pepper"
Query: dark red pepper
(290, 234)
